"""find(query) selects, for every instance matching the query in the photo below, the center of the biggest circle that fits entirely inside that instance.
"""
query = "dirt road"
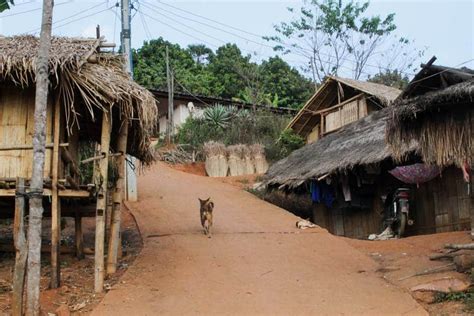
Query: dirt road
(257, 262)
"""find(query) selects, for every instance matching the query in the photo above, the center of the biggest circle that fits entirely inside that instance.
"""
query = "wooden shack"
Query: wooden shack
(360, 155)
(338, 102)
(96, 114)
(436, 110)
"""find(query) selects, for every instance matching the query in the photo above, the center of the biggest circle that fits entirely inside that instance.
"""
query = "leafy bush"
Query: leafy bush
(218, 116)
(243, 127)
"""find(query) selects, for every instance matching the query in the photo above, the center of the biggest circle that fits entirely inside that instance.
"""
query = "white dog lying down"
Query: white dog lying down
(304, 223)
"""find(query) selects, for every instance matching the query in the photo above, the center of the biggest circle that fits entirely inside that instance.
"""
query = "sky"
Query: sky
(441, 28)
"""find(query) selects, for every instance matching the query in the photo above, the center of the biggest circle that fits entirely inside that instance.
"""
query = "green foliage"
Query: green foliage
(466, 297)
(391, 78)
(225, 73)
(290, 141)
(336, 34)
(5, 4)
(244, 128)
(218, 116)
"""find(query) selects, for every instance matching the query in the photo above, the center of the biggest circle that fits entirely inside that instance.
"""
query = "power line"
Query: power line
(328, 62)
(256, 35)
(67, 18)
(442, 71)
(84, 17)
(180, 31)
(32, 10)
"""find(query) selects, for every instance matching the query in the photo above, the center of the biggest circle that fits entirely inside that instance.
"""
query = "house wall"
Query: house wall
(17, 128)
(180, 114)
(440, 205)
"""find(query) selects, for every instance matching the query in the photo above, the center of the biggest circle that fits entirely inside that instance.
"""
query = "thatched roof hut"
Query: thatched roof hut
(359, 143)
(437, 111)
(346, 96)
(88, 81)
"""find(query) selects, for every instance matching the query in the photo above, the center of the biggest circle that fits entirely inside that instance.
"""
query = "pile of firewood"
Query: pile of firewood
(176, 155)
(460, 256)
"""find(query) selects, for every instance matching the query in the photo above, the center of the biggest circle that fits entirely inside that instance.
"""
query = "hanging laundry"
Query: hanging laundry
(321, 192)
(346, 190)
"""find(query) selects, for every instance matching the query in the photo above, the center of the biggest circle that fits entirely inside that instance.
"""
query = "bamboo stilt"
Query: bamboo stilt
(102, 203)
(55, 203)
(118, 197)
(78, 236)
(20, 249)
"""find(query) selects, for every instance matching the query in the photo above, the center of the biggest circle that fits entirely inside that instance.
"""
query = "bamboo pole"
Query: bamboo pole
(118, 196)
(20, 249)
(78, 236)
(101, 203)
(55, 203)
(29, 147)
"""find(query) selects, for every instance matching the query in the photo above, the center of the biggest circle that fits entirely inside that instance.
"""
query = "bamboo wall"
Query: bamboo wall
(348, 113)
(17, 128)
(440, 205)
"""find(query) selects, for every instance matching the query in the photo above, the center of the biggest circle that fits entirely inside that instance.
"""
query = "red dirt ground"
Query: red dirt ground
(77, 276)
(257, 261)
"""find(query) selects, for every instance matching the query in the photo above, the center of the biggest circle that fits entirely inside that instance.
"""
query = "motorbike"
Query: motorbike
(397, 211)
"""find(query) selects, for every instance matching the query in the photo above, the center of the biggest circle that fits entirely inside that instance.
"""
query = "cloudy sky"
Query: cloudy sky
(441, 28)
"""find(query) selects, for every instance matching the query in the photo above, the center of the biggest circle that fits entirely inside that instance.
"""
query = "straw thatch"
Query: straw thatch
(86, 81)
(442, 122)
(326, 96)
(359, 143)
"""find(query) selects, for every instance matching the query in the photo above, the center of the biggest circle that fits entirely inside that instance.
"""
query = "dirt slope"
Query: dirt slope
(256, 263)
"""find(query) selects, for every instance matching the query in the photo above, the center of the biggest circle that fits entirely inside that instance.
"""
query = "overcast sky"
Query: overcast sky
(443, 28)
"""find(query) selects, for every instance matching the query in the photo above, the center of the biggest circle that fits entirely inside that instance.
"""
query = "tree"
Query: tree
(391, 78)
(36, 185)
(5, 4)
(200, 53)
(228, 67)
(285, 86)
(333, 36)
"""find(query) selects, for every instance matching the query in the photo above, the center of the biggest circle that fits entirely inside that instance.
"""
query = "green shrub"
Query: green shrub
(243, 127)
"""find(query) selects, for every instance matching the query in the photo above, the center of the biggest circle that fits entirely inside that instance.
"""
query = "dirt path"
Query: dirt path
(256, 263)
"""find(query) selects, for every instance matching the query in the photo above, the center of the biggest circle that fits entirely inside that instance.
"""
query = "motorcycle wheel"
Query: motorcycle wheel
(402, 223)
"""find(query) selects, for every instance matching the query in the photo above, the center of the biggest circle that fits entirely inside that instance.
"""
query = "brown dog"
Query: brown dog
(207, 206)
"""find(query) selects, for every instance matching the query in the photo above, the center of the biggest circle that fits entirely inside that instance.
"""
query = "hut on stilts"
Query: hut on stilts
(93, 104)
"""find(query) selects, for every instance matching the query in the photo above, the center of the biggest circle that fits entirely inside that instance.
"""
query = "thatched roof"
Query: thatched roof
(442, 122)
(87, 80)
(359, 143)
(326, 96)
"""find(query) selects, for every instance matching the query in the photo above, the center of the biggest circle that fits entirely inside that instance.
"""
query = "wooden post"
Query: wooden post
(118, 197)
(20, 249)
(102, 202)
(55, 203)
(79, 239)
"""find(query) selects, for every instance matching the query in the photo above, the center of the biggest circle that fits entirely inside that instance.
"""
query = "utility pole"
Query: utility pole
(126, 47)
(170, 81)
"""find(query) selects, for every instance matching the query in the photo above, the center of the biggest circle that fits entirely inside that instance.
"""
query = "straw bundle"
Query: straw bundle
(236, 162)
(258, 154)
(249, 164)
(216, 162)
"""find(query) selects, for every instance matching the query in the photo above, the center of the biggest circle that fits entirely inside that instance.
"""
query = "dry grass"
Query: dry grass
(97, 84)
(442, 123)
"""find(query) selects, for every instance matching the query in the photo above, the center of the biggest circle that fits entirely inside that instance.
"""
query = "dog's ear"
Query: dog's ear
(201, 201)
(211, 204)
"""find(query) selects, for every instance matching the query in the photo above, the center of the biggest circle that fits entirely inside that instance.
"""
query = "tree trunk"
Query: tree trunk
(36, 185)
